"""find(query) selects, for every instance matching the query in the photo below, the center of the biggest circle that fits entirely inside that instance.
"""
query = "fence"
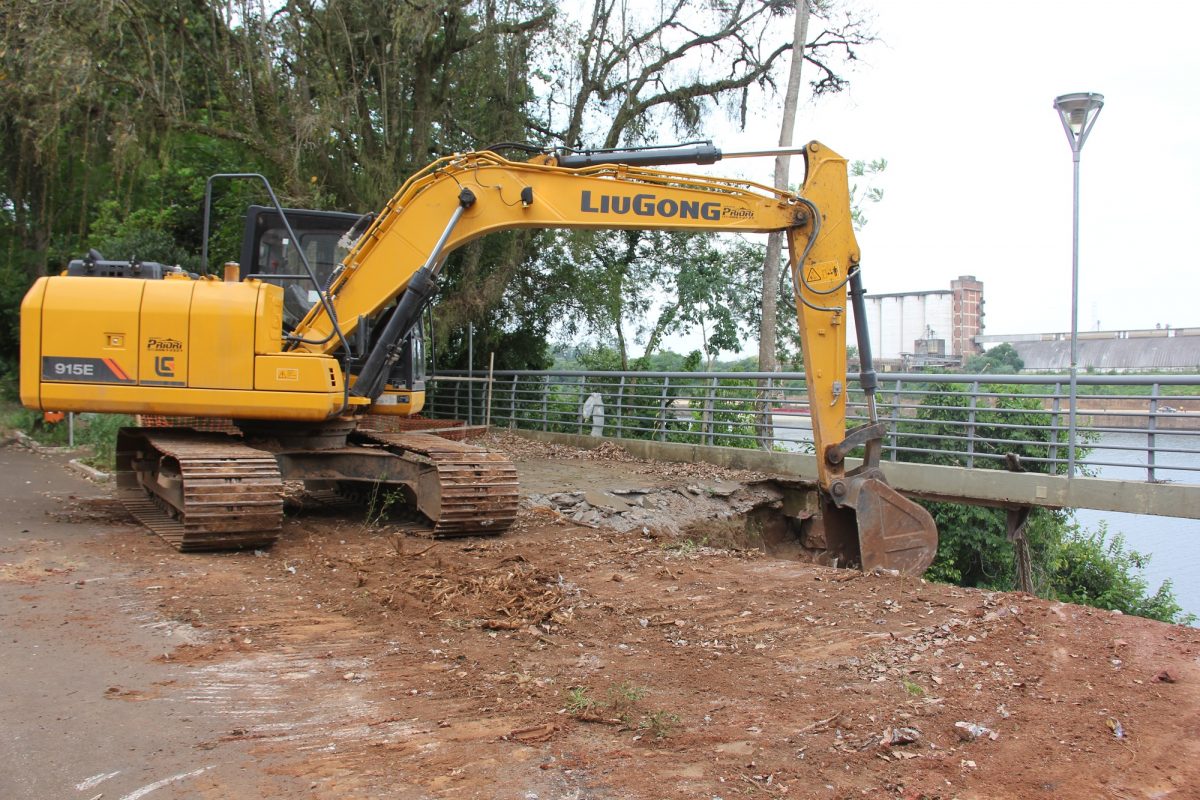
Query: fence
(1141, 427)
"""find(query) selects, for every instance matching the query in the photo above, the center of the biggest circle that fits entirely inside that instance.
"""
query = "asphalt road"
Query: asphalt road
(87, 711)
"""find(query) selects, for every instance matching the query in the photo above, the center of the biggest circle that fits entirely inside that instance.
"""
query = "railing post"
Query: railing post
(895, 437)
(1055, 412)
(706, 420)
(662, 410)
(1151, 427)
(512, 403)
(620, 406)
(545, 402)
(971, 425)
(579, 402)
(767, 432)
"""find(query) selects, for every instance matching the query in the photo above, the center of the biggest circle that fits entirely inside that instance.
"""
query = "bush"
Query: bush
(100, 434)
(1093, 568)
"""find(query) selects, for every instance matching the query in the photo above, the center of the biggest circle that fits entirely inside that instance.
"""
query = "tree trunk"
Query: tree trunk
(770, 290)
(770, 293)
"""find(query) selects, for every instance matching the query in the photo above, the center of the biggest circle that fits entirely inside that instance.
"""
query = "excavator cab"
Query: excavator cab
(271, 253)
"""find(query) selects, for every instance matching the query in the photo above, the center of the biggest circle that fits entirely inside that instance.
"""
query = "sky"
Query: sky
(958, 98)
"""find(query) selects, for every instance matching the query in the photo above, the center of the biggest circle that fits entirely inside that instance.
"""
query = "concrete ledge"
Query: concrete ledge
(33, 444)
(988, 487)
(88, 471)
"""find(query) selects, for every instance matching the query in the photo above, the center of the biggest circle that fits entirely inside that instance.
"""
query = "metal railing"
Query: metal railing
(1131, 427)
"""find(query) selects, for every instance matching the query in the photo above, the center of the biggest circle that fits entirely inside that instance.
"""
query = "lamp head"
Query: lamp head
(1078, 112)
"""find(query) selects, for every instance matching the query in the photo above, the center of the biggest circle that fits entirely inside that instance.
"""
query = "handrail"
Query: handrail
(956, 418)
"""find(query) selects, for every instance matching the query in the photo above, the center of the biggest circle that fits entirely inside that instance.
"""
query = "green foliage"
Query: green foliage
(864, 187)
(96, 432)
(34, 424)
(660, 724)
(1009, 423)
(99, 433)
(148, 234)
(1095, 569)
(622, 703)
(14, 282)
(1013, 429)
(1003, 358)
(580, 701)
(638, 287)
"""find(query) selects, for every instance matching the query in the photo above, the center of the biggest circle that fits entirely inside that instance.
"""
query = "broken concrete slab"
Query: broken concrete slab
(605, 501)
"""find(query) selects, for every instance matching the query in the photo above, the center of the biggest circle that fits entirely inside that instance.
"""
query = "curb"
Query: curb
(88, 471)
(28, 441)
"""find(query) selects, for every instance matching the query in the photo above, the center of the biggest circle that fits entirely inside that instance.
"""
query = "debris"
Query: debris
(534, 733)
(900, 736)
(1114, 725)
(819, 725)
(970, 731)
(605, 501)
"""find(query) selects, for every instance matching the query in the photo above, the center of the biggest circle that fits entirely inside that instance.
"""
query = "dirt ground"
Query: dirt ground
(617, 655)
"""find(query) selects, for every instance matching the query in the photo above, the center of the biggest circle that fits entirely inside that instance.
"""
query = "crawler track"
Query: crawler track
(200, 491)
(463, 490)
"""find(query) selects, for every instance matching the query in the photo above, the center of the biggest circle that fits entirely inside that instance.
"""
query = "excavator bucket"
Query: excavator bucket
(893, 531)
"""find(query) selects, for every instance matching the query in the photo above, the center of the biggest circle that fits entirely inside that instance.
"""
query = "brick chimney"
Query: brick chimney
(966, 315)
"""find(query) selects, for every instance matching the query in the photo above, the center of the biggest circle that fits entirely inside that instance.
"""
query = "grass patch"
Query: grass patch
(379, 502)
(622, 705)
(99, 433)
(96, 432)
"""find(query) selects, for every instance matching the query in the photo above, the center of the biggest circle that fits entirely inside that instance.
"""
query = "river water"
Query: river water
(1171, 544)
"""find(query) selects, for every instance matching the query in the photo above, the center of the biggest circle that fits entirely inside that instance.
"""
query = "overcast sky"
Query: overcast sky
(958, 97)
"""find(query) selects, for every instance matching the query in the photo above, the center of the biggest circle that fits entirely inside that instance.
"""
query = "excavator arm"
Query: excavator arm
(461, 198)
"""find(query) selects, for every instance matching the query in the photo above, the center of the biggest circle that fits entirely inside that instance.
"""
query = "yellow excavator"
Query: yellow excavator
(297, 367)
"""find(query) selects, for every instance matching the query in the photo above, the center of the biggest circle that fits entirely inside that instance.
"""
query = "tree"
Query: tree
(840, 38)
(770, 281)
(640, 286)
(866, 191)
(1003, 358)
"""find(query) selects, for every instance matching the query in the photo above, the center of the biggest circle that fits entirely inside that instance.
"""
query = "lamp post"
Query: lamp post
(1078, 112)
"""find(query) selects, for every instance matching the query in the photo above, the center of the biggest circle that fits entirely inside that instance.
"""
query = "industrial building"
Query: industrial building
(1158, 349)
(911, 330)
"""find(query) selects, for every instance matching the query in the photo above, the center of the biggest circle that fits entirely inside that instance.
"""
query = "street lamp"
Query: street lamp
(1078, 112)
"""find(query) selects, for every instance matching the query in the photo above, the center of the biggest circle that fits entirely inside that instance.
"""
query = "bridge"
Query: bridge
(994, 440)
